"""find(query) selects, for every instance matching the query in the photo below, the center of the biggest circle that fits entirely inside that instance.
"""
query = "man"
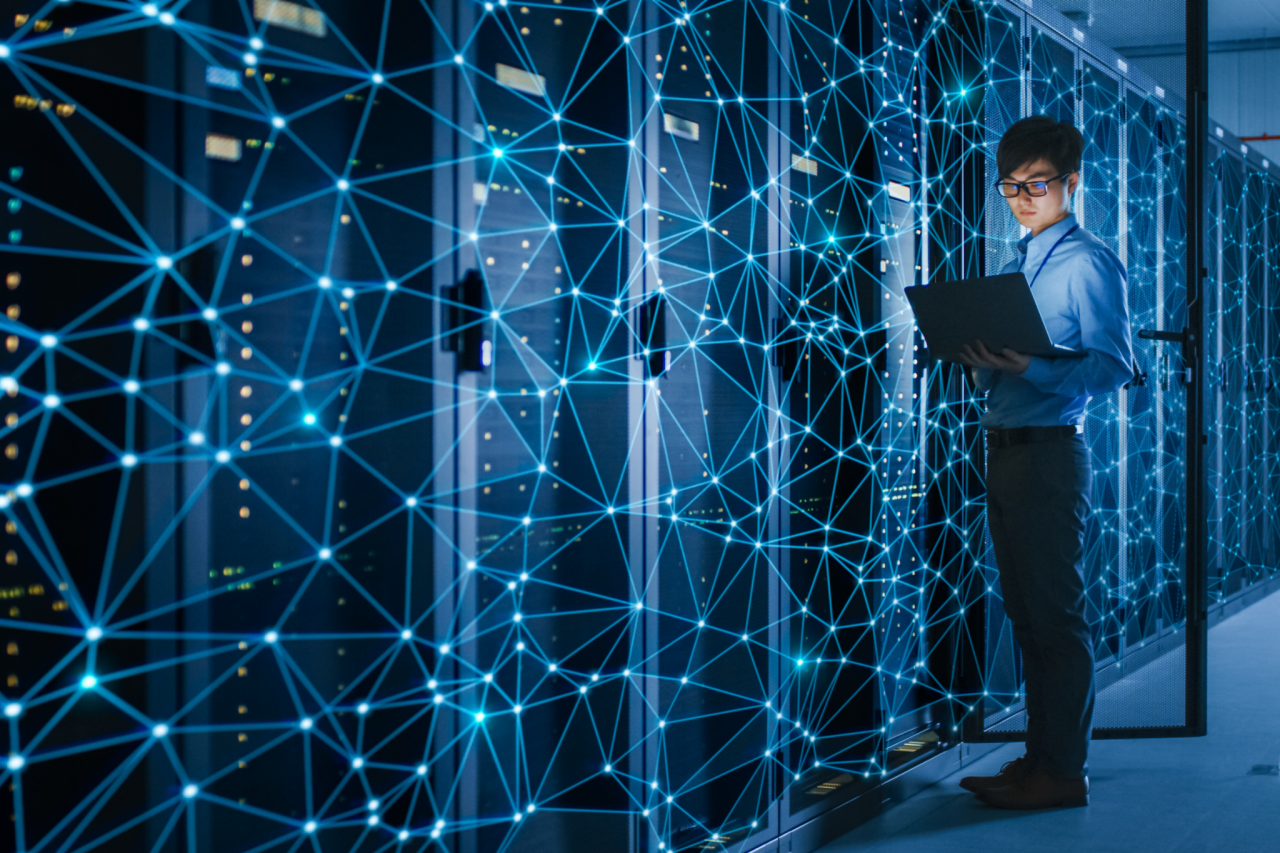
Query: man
(1038, 470)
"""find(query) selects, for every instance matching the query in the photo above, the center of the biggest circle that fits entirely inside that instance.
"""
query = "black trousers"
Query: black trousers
(1038, 498)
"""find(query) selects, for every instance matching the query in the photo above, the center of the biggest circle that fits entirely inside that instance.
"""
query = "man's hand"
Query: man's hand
(1010, 361)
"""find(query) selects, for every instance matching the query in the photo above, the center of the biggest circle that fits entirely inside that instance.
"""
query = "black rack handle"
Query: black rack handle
(651, 323)
(1157, 335)
(466, 331)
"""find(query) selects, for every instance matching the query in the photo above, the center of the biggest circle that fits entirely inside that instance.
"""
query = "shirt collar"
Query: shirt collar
(1050, 235)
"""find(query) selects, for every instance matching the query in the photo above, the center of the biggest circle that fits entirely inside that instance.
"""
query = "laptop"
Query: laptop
(998, 310)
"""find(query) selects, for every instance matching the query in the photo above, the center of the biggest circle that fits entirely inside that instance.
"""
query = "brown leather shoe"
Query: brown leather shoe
(1011, 772)
(1039, 790)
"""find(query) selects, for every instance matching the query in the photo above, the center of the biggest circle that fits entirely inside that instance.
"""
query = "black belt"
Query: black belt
(1028, 435)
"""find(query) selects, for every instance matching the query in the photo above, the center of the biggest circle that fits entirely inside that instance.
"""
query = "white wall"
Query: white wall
(1244, 95)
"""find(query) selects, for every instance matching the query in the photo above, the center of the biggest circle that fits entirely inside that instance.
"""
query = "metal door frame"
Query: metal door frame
(1191, 341)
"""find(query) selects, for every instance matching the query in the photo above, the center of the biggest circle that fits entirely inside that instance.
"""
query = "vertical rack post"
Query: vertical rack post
(1197, 136)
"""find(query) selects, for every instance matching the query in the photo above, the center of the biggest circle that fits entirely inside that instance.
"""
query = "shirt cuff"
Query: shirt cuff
(1038, 371)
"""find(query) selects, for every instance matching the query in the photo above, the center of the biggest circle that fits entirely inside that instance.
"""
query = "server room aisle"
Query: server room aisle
(1187, 795)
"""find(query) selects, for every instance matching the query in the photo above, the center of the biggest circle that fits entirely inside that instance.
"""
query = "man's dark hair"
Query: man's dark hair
(1040, 138)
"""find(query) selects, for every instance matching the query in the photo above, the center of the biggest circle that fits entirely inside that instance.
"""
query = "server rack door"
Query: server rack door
(1004, 84)
(954, 247)
(321, 414)
(1215, 291)
(1050, 73)
(1271, 326)
(1227, 379)
(551, 425)
(77, 544)
(827, 657)
(1142, 667)
(709, 164)
(855, 615)
(328, 446)
(1000, 678)
(1172, 425)
(1109, 419)
(901, 637)
(1252, 522)
(905, 713)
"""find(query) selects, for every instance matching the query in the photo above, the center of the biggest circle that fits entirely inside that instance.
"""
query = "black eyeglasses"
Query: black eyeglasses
(1009, 189)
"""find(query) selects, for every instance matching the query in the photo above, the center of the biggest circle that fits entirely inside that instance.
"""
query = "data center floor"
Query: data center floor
(1183, 795)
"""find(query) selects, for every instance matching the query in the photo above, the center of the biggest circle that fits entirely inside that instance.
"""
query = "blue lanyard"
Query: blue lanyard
(1046, 257)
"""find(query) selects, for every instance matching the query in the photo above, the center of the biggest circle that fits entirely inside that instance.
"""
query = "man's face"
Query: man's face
(1039, 213)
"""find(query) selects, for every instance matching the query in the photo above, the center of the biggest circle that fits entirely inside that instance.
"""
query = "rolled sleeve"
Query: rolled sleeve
(1037, 371)
(982, 378)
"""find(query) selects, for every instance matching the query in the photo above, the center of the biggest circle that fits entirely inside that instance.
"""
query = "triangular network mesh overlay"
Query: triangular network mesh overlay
(663, 528)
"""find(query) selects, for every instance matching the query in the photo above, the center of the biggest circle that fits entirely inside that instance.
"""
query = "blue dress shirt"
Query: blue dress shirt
(1082, 295)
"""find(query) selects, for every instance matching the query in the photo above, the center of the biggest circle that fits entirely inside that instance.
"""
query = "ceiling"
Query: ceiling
(1231, 20)
(1119, 24)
